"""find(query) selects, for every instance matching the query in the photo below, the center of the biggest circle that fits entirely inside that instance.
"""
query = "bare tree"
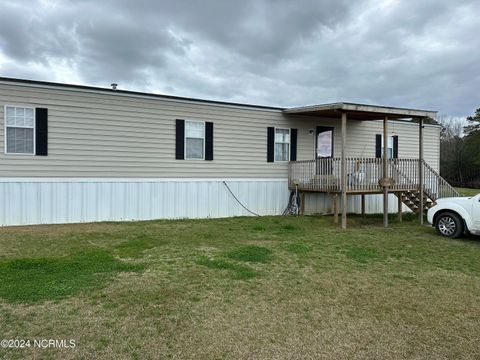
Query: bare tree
(452, 149)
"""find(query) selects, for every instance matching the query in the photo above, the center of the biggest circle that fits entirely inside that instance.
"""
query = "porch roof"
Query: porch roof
(359, 111)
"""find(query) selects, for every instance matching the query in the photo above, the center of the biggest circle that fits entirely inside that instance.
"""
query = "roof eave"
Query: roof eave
(361, 108)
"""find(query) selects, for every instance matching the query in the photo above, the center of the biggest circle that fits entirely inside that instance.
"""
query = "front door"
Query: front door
(323, 149)
(323, 142)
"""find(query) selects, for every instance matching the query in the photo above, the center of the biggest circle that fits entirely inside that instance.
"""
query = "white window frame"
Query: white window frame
(389, 145)
(185, 139)
(275, 142)
(24, 127)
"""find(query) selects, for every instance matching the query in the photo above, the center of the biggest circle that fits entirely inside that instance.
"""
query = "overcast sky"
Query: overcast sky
(410, 53)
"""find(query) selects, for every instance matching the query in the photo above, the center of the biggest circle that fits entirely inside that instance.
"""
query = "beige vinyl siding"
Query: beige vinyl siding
(361, 138)
(363, 135)
(99, 134)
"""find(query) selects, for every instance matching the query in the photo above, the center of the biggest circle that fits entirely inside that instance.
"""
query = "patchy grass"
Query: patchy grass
(362, 254)
(251, 253)
(239, 272)
(135, 246)
(259, 227)
(31, 280)
(298, 248)
(239, 288)
(290, 227)
(468, 192)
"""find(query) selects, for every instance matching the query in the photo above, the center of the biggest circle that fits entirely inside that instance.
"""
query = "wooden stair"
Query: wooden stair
(412, 200)
(434, 187)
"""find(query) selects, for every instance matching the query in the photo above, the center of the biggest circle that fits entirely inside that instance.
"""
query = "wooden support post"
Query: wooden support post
(399, 209)
(420, 169)
(363, 205)
(343, 178)
(335, 208)
(385, 171)
(302, 204)
(332, 206)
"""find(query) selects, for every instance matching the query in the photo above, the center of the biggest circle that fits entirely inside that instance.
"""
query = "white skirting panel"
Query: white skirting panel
(319, 203)
(27, 201)
(52, 201)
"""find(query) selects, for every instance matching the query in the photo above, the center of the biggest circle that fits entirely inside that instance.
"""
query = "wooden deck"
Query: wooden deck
(365, 176)
(369, 175)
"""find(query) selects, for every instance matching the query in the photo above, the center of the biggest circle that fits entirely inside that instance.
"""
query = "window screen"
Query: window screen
(194, 140)
(389, 148)
(282, 144)
(20, 129)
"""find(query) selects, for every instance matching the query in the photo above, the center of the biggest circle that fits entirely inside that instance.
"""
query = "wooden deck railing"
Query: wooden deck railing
(363, 174)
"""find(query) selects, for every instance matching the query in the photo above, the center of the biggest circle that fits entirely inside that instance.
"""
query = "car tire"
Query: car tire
(449, 224)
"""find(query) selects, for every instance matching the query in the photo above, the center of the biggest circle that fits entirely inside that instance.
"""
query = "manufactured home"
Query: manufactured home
(82, 154)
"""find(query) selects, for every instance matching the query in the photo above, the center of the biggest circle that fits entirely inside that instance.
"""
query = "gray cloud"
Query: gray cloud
(406, 53)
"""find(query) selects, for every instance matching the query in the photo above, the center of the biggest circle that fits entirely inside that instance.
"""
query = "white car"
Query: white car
(456, 216)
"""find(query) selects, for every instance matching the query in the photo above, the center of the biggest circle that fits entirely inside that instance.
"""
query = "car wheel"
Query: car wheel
(449, 225)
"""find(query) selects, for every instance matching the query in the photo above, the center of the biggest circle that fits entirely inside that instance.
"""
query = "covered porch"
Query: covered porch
(413, 181)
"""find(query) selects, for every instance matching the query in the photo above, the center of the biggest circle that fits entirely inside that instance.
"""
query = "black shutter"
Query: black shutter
(209, 141)
(41, 131)
(180, 140)
(395, 147)
(270, 144)
(378, 146)
(293, 144)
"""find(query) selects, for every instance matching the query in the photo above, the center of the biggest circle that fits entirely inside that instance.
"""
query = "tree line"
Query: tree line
(460, 151)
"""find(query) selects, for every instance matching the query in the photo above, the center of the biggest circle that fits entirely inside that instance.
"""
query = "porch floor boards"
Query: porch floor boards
(356, 191)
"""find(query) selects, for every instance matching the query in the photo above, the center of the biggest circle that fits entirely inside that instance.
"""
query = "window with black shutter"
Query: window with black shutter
(180, 139)
(392, 146)
(26, 130)
(293, 144)
(270, 144)
(194, 140)
(41, 132)
(281, 144)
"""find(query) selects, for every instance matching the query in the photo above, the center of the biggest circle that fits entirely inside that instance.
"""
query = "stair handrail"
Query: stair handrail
(444, 188)
(434, 185)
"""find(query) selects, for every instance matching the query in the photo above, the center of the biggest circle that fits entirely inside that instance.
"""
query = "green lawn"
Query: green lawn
(241, 288)
(468, 192)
